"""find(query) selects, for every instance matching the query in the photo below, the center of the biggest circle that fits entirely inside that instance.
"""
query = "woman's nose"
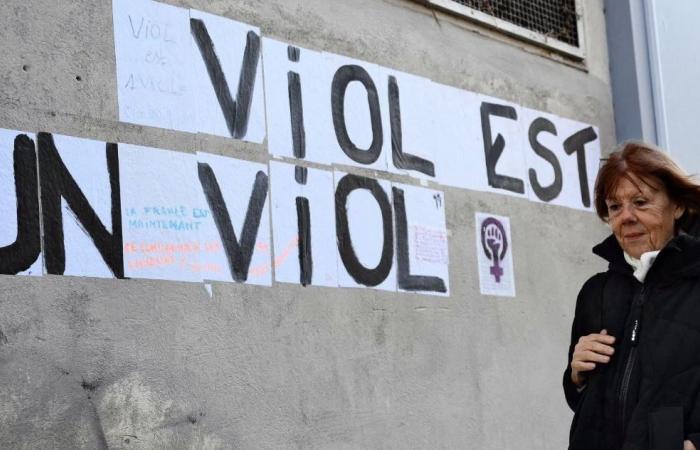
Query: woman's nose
(628, 214)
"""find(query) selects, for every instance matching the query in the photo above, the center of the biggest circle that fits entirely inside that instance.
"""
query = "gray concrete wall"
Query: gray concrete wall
(145, 364)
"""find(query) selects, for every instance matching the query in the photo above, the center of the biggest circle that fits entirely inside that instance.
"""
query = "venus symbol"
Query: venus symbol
(495, 244)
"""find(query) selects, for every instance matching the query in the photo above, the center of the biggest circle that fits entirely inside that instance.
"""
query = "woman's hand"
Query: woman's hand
(687, 445)
(590, 350)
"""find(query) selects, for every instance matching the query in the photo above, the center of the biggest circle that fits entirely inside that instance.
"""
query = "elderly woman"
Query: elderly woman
(633, 378)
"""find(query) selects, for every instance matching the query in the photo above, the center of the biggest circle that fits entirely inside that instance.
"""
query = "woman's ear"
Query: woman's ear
(678, 212)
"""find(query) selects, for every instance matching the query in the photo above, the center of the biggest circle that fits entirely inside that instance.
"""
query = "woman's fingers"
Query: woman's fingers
(595, 347)
(590, 356)
(582, 366)
(598, 337)
(602, 348)
(590, 350)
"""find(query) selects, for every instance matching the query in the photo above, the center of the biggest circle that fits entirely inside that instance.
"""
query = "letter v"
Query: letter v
(237, 254)
(236, 112)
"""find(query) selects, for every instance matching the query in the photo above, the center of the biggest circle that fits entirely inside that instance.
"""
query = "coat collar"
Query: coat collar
(680, 258)
(611, 251)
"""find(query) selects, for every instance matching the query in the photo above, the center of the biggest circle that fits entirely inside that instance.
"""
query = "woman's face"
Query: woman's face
(642, 217)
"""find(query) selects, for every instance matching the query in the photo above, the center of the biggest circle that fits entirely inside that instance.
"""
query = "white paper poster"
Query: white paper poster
(298, 102)
(229, 93)
(502, 124)
(411, 123)
(9, 232)
(163, 213)
(555, 175)
(459, 149)
(291, 203)
(237, 242)
(355, 97)
(425, 267)
(154, 56)
(365, 232)
(194, 71)
(86, 161)
(494, 250)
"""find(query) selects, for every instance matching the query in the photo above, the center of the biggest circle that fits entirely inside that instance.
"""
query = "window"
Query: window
(553, 24)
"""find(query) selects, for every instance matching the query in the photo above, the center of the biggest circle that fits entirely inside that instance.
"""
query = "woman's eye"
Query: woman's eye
(613, 207)
(640, 202)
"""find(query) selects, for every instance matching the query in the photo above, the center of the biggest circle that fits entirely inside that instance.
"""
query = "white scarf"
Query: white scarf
(642, 265)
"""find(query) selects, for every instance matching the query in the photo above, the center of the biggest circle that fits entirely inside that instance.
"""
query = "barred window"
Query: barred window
(553, 24)
(552, 18)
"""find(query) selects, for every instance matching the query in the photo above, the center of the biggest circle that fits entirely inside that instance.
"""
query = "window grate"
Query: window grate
(553, 18)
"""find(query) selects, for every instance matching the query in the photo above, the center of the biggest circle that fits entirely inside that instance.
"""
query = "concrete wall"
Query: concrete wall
(145, 364)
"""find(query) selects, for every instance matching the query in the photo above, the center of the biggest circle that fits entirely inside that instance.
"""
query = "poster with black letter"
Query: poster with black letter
(412, 123)
(365, 232)
(303, 225)
(80, 204)
(355, 95)
(297, 102)
(20, 233)
(235, 231)
(563, 157)
(227, 72)
(502, 143)
(422, 257)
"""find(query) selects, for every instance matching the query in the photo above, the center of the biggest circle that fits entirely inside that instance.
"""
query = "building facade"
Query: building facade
(395, 128)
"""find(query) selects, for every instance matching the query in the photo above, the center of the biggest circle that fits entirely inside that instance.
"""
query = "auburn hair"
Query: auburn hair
(654, 168)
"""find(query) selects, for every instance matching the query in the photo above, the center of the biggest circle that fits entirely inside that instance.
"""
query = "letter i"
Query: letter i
(296, 111)
(296, 114)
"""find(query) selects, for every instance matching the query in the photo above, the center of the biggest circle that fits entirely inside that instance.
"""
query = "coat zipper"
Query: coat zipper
(631, 359)
(624, 389)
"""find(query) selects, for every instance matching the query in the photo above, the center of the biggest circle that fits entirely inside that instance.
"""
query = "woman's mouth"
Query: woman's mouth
(633, 235)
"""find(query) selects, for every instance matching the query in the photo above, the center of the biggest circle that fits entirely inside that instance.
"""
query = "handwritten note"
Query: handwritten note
(426, 238)
(163, 215)
(154, 56)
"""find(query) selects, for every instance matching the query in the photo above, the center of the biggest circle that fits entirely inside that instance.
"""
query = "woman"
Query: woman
(633, 378)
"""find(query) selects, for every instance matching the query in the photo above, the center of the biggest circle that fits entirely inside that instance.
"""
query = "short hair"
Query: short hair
(653, 167)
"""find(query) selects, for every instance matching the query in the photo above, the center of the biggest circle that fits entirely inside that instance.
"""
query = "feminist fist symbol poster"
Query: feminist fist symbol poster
(494, 255)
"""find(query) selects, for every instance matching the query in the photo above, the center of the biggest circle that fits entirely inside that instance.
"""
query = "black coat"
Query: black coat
(648, 395)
